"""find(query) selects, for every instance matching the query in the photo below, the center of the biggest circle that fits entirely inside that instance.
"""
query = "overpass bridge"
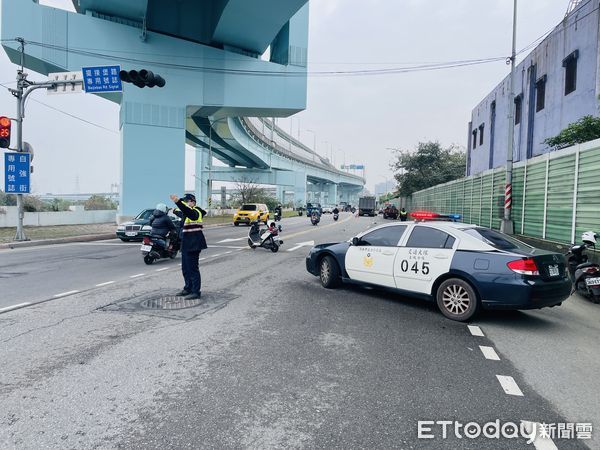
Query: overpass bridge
(220, 86)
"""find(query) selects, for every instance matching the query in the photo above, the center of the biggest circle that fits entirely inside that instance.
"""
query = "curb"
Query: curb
(82, 238)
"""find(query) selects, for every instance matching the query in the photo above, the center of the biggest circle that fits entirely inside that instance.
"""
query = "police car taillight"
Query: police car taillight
(524, 266)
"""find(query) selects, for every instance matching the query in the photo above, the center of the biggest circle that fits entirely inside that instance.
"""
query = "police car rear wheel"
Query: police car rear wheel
(329, 273)
(457, 299)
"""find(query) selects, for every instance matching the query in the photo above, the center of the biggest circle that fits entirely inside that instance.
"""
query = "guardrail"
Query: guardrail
(286, 146)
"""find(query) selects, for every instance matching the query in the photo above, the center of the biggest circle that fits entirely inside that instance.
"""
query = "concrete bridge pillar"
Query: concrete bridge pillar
(300, 189)
(162, 173)
(202, 184)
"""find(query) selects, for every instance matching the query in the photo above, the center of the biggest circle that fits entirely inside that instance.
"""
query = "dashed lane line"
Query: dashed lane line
(541, 441)
(489, 353)
(164, 268)
(106, 283)
(137, 275)
(509, 385)
(64, 294)
(17, 306)
(475, 330)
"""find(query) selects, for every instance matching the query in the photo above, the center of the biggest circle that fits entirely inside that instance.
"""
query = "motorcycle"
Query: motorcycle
(267, 238)
(315, 219)
(157, 247)
(336, 216)
(584, 275)
(277, 216)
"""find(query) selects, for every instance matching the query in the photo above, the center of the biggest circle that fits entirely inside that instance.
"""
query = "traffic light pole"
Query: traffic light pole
(24, 88)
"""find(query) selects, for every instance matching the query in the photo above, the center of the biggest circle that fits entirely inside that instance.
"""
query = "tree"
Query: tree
(585, 129)
(7, 199)
(428, 166)
(99, 202)
(247, 191)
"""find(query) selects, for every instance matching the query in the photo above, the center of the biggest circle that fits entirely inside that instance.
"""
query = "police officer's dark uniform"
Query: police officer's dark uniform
(192, 243)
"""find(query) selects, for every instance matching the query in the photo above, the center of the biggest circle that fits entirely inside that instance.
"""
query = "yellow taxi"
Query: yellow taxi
(250, 212)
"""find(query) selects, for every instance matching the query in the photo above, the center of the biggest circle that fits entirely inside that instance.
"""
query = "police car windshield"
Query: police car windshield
(495, 239)
(248, 208)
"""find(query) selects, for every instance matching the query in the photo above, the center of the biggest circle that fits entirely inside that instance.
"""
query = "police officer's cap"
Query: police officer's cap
(189, 198)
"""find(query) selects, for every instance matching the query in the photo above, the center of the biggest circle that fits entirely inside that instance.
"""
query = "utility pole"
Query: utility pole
(24, 88)
(507, 224)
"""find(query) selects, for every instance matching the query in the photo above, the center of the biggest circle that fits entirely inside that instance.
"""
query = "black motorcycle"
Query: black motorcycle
(584, 275)
(315, 218)
(157, 247)
(336, 216)
(277, 215)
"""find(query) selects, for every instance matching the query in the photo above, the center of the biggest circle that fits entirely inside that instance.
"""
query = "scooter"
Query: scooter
(315, 219)
(277, 216)
(267, 238)
(157, 247)
(584, 275)
(336, 216)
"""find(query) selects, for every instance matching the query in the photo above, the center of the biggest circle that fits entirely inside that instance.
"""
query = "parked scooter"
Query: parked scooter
(315, 218)
(585, 275)
(267, 237)
(157, 247)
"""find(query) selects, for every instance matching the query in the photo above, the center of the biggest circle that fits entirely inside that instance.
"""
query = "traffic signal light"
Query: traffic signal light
(5, 132)
(143, 78)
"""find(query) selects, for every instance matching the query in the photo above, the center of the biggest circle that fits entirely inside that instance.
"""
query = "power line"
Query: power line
(67, 114)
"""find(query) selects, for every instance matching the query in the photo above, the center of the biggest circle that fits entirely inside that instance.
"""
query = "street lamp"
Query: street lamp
(314, 142)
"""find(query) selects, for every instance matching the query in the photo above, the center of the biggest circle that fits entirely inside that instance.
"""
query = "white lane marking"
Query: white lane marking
(225, 246)
(138, 275)
(227, 253)
(300, 245)
(62, 294)
(509, 385)
(164, 268)
(475, 330)
(541, 441)
(201, 259)
(489, 353)
(104, 284)
(214, 256)
(8, 308)
(231, 240)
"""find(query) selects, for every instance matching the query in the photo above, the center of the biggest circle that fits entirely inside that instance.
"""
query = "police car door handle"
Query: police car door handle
(440, 256)
(388, 252)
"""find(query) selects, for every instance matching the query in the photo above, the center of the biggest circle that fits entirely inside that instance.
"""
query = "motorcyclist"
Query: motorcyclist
(335, 210)
(278, 210)
(161, 224)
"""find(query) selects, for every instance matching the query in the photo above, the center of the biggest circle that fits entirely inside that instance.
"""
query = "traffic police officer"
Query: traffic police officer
(192, 243)
(403, 215)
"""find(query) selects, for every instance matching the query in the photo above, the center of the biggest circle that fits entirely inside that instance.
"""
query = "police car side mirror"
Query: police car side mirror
(355, 241)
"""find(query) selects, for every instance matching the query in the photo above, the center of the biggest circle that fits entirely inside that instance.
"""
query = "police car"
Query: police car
(461, 267)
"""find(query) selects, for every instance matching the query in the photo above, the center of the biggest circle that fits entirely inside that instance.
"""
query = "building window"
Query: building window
(540, 93)
(570, 65)
(481, 133)
(518, 108)
(475, 138)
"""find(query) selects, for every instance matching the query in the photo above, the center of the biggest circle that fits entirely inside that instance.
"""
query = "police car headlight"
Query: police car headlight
(121, 228)
(146, 228)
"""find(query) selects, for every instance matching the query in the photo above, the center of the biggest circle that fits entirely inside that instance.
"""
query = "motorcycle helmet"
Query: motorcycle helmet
(162, 207)
(272, 223)
(589, 237)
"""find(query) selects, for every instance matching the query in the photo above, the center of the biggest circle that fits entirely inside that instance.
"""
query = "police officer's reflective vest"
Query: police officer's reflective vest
(192, 226)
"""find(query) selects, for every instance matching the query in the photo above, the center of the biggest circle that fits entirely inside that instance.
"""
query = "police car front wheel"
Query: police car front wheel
(329, 272)
(457, 299)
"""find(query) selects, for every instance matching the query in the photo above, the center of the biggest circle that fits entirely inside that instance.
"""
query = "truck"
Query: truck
(366, 206)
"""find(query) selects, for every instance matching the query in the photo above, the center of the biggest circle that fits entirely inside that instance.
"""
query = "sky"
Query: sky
(358, 120)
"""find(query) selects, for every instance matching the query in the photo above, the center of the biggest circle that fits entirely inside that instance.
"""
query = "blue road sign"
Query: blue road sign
(16, 173)
(102, 79)
(360, 167)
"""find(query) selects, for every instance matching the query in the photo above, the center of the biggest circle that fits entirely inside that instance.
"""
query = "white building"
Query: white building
(555, 85)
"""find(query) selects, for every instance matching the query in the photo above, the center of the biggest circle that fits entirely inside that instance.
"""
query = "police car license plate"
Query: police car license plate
(130, 233)
(592, 281)
(553, 271)
(146, 248)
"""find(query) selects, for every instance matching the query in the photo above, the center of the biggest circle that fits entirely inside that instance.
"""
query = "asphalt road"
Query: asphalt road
(270, 359)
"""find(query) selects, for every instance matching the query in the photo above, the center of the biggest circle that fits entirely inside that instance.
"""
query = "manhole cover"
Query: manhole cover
(170, 303)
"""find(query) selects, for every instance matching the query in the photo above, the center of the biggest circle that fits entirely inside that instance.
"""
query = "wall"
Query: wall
(556, 196)
(9, 215)
(579, 31)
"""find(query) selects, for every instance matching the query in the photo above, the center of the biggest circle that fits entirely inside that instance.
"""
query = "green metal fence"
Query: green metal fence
(556, 196)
